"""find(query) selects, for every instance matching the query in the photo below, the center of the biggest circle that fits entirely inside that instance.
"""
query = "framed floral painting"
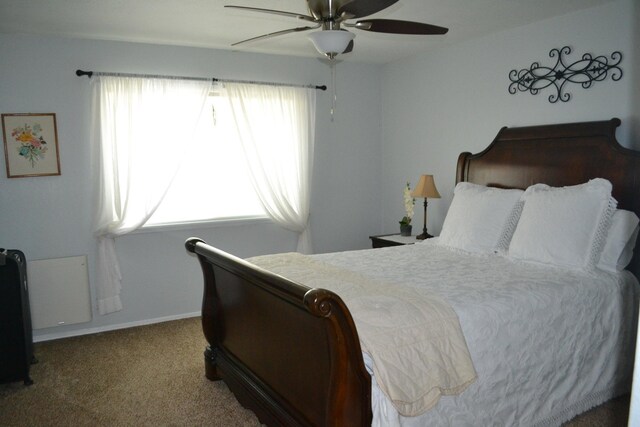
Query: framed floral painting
(30, 144)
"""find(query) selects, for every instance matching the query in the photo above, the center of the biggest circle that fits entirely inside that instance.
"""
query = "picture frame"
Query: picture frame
(30, 144)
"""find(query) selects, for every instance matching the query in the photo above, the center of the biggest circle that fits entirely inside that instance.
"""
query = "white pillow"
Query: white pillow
(480, 219)
(621, 239)
(564, 226)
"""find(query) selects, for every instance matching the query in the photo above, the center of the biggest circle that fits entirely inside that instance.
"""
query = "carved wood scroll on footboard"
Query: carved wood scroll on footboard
(288, 352)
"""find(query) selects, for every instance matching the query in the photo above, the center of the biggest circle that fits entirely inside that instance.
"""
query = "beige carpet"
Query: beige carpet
(149, 376)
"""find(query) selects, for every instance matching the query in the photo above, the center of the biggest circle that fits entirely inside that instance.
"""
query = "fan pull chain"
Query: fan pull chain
(334, 95)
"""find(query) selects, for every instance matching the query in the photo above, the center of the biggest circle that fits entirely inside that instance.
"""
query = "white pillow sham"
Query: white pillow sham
(620, 242)
(480, 219)
(564, 226)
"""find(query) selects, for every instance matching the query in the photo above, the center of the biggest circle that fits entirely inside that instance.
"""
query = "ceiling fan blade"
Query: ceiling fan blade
(275, 34)
(349, 47)
(392, 26)
(362, 8)
(275, 12)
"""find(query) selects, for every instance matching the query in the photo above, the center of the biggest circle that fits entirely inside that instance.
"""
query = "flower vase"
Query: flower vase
(405, 229)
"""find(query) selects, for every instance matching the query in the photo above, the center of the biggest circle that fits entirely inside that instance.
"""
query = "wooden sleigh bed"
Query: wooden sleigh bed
(292, 354)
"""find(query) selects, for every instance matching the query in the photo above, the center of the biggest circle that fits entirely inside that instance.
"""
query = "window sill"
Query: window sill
(223, 222)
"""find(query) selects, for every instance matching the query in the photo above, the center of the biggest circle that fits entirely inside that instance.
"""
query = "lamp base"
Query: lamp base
(423, 236)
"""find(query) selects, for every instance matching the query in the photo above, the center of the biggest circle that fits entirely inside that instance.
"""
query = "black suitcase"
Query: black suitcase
(16, 337)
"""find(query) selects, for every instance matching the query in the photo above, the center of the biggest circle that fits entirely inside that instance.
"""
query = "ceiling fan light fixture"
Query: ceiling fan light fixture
(331, 42)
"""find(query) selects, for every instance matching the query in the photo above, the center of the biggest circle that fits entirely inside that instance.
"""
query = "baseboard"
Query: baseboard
(89, 331)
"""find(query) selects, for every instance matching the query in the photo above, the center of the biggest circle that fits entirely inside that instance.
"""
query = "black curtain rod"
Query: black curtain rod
(90, 74)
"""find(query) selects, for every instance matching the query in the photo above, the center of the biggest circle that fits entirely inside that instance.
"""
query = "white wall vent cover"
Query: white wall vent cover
(59, 291)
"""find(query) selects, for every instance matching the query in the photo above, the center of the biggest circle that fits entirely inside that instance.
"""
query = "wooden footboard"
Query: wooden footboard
(288, 352)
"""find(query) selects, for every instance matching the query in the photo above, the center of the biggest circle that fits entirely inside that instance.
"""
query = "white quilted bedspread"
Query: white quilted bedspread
(412, 337)
(546, 343)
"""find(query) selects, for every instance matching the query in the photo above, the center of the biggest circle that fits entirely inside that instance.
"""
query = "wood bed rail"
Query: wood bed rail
(288, 352)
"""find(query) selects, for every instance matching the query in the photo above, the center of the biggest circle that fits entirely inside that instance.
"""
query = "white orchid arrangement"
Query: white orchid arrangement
(409, 203)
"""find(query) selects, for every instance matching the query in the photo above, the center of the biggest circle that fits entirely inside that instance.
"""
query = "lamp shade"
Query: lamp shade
(331, 41)
(426, 187)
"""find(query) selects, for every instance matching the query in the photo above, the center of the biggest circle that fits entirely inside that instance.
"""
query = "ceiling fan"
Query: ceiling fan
(332, 15)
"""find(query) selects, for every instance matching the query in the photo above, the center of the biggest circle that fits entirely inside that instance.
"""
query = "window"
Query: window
(214, 180)
(143, 129)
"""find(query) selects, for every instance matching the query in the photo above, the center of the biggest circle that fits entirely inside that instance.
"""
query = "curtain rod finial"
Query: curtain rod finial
(81, 73)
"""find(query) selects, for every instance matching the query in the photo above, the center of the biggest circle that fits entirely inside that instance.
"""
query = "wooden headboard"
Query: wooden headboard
(558, 155)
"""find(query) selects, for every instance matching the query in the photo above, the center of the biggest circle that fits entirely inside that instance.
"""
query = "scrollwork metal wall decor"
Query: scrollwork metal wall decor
(584, 72)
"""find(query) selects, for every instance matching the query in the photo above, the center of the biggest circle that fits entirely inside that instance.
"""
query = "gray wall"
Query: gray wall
(442, 103)
(51, 217)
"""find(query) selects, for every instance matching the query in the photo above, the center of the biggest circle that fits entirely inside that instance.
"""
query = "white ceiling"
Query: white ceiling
(206, 23)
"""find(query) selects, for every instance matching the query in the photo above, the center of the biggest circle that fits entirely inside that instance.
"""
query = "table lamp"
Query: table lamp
(426, 188)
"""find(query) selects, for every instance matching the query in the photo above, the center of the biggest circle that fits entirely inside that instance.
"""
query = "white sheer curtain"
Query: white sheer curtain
(276, 126)
(143, 128)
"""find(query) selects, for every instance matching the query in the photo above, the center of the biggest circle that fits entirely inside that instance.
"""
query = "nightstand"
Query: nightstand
(385, 240)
